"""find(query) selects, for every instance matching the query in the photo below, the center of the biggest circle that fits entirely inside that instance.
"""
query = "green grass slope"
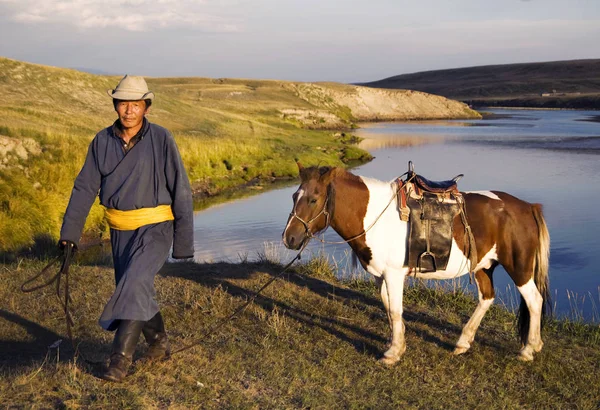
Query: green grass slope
(569, 84)
(231, 132)
(309, 341)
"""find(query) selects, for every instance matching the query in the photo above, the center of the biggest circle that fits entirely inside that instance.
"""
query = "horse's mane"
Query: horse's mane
(316, 172)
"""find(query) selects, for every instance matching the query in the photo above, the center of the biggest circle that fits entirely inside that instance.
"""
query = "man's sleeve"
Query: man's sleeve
(83, 195)
(182, 205)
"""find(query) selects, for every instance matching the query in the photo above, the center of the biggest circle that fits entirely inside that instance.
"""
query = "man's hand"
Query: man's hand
(64, 243)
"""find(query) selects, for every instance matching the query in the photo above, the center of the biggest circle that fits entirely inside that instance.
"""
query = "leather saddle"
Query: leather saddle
(429, 207)
(436, 187)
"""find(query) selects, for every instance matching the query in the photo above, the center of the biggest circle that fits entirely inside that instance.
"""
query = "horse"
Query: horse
(507, 231)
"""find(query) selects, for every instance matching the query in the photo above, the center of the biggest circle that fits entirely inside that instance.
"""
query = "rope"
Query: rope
(408, 179)
(469, 239)
(364, 232)
(66, 257)
(240, 309)
(64, 270)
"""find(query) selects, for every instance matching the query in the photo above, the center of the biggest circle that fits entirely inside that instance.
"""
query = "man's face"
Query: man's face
(131, 113)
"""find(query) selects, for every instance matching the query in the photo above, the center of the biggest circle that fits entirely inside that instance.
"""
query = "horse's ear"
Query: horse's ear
(300, 166)
(327, 174)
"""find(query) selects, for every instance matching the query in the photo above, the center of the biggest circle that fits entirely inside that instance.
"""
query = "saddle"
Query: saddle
(430, 208)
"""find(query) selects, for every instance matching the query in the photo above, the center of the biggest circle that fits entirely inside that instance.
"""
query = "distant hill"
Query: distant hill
(556, 84)
(93, 71)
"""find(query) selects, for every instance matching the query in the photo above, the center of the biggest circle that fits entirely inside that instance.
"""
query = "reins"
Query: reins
(66, 258)
(64, 270)
(310, 235)
(240, 309)
(324, 211)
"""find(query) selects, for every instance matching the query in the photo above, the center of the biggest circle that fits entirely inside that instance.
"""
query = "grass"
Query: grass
(309, 341)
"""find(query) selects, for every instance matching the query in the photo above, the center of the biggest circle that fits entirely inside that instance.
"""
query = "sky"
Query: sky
(298, 40)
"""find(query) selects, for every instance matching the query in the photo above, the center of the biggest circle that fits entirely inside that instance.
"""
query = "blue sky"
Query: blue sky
(301, 40)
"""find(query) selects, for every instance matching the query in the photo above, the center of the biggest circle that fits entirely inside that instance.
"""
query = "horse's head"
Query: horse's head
(311, 211)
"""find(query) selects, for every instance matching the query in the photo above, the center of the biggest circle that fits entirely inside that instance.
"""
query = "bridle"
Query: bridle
(323, 211)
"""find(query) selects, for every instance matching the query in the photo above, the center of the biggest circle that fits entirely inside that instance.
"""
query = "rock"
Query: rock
(14, 149)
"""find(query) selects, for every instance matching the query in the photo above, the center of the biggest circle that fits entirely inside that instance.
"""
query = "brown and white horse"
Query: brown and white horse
(507, 231)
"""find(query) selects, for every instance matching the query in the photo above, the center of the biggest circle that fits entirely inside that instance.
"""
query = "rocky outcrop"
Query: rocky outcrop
(12, 150)
(314, 119)
(354, 103)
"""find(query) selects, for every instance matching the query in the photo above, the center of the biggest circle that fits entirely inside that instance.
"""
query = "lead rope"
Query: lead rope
(469, 240)
(240, 309)
(66, 256)
(363, 233)
(370, 226)
(64, 270)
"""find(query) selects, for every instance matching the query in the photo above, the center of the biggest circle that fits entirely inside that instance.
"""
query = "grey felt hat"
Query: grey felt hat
(131, 88)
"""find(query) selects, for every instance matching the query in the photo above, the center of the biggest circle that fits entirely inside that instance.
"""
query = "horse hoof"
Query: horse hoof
(388, 361)
(525, 356)
(460, 350)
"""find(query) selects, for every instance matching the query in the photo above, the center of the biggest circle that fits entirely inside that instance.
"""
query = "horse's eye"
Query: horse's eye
(313, 201)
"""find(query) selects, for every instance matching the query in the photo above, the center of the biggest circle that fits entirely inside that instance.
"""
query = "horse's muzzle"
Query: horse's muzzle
(293, 240)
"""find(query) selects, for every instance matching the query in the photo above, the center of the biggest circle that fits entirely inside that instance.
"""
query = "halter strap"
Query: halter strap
(310, 235)
(323, 211)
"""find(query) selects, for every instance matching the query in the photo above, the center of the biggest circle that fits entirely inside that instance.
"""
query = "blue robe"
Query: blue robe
(150, 174)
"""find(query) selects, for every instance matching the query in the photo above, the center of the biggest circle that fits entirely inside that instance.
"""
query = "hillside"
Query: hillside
(230, 132)
(309, 341)
(557, 84)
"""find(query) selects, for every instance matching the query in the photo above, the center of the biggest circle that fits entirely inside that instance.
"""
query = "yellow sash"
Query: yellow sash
(131, 220)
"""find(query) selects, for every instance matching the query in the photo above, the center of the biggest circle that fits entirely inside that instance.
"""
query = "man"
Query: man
(136, 168)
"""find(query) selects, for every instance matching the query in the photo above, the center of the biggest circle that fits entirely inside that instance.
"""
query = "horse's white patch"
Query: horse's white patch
(489, 194)
(458, 264)
(300, 192)
(468, 333)
(488, 259)
(529, 291)
(386, 233)
(534, 301)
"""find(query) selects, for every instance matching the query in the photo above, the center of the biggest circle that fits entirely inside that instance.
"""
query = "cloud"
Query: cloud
(130, 15)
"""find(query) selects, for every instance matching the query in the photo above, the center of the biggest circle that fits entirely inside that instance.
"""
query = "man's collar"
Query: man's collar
(118, 128)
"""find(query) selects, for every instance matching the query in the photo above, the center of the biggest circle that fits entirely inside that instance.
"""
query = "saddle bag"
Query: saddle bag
(430, 207)
(430, 231)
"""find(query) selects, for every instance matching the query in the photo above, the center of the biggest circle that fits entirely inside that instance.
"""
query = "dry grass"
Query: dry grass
(308, 342)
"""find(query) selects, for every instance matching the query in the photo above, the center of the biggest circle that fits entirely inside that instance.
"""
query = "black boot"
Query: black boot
(126, 338)
(158, 342)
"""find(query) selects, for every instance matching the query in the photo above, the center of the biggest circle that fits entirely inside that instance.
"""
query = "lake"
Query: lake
(548, 157)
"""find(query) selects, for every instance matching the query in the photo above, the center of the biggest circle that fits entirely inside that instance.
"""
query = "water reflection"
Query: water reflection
(374, 142)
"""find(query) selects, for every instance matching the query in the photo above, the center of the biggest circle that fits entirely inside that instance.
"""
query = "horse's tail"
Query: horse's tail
(540, 273)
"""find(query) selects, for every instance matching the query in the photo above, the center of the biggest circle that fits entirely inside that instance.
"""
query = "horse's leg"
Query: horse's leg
(394, 284)
(386, 301)
(534, 301)
(485, 286)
